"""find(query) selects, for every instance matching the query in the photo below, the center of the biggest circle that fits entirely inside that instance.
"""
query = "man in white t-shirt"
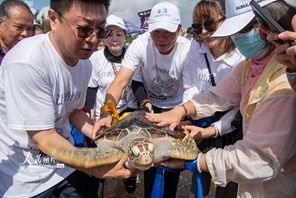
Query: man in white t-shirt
(43, 83)
(157, 61)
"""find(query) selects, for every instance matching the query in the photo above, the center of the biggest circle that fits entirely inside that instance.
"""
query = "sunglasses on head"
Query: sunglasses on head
(85, 32)
(209, 25)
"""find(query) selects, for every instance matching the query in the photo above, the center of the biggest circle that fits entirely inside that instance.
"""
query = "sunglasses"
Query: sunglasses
(86, 32)
(209, 25)
(248, 27)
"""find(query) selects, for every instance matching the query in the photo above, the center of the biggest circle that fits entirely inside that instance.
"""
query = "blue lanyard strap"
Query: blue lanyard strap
(158, 181)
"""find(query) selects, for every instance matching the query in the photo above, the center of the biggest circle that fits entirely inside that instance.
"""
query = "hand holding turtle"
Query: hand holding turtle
(172, 117)
(198, 163)
(116, 170)
(100, 125)
(198, 133)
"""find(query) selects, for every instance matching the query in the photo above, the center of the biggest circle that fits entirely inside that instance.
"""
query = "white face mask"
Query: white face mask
(250, 44)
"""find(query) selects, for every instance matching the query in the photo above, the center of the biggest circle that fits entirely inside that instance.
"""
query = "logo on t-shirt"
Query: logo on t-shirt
(36, 158)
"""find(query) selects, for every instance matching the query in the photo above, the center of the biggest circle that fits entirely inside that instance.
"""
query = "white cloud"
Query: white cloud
(43, 11)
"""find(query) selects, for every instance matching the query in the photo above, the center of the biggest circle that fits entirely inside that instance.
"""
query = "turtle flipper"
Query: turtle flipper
(87, 157)
(186, 149)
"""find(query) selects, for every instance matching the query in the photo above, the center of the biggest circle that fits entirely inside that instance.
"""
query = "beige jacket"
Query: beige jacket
(264, 162)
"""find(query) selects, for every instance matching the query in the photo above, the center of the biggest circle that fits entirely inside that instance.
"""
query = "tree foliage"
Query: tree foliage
(42, 21)
(132, 37)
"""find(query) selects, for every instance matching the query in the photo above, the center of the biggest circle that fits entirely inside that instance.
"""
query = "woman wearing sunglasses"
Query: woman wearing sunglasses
(217, 56)
(106, 64)
(263, 162)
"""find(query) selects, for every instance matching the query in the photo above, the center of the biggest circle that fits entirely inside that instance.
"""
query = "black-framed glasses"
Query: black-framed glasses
(85, 32)
(248, 27)
(209, 25)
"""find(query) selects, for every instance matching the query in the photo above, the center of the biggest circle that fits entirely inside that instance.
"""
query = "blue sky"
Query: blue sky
(39, 4)
(130, 12)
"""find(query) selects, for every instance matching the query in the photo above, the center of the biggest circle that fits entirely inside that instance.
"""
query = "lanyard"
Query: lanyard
(114, 68)
(123, 95)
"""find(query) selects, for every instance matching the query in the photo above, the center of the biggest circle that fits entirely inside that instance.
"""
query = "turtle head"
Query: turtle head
(140, 154)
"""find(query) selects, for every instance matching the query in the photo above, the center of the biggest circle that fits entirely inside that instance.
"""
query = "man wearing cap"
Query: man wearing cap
(106, 63)
(159, 59)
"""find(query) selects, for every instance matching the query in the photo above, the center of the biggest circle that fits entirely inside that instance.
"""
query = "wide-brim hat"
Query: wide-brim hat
(238, 14)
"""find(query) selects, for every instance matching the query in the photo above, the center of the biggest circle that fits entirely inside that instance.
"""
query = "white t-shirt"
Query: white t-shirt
(38, 92)
(102, 76)
(201, 77)
(164, 76)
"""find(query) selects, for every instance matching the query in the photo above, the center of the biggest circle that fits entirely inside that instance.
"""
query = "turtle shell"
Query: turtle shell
(142, 141)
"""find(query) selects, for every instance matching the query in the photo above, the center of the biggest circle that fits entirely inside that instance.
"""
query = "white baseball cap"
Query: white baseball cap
(238, 14)
(164, 15)
(115, 20)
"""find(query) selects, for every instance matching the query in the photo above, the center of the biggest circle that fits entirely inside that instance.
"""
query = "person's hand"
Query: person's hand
(149, 107)
(173, 163)
(117, 170)
(171, 117)
(102, 124)
(285, 54)
(91, 114)
(183, 123)
(198, 133)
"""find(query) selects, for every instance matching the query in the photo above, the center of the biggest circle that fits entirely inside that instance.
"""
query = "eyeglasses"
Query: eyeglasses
(85, 32)
(209, 25)
(248, 27)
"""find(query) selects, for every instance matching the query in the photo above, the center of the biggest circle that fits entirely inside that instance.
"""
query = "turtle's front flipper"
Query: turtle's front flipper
(87, 157)
(185, 149)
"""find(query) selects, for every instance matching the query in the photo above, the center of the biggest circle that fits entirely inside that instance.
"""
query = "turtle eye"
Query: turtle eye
(135, 152)
(151, 148)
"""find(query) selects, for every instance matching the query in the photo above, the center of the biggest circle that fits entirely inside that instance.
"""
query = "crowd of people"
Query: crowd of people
(227, 65)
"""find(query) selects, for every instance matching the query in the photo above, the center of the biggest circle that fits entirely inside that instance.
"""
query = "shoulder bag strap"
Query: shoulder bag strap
(210, 71)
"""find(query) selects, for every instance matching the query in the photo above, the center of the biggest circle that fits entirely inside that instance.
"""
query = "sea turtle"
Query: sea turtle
(142, 141)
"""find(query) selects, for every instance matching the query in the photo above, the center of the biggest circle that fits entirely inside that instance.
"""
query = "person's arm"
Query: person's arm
(81, 122)
(114, 93)
(139, 90)
(220, 127)
(141, 95)
(173, 116)
(223, 126)
(187, 75)
(46, 140)
(91, 98)
(115, 89)
(268, 144)
(199, 133)
(219, 98)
